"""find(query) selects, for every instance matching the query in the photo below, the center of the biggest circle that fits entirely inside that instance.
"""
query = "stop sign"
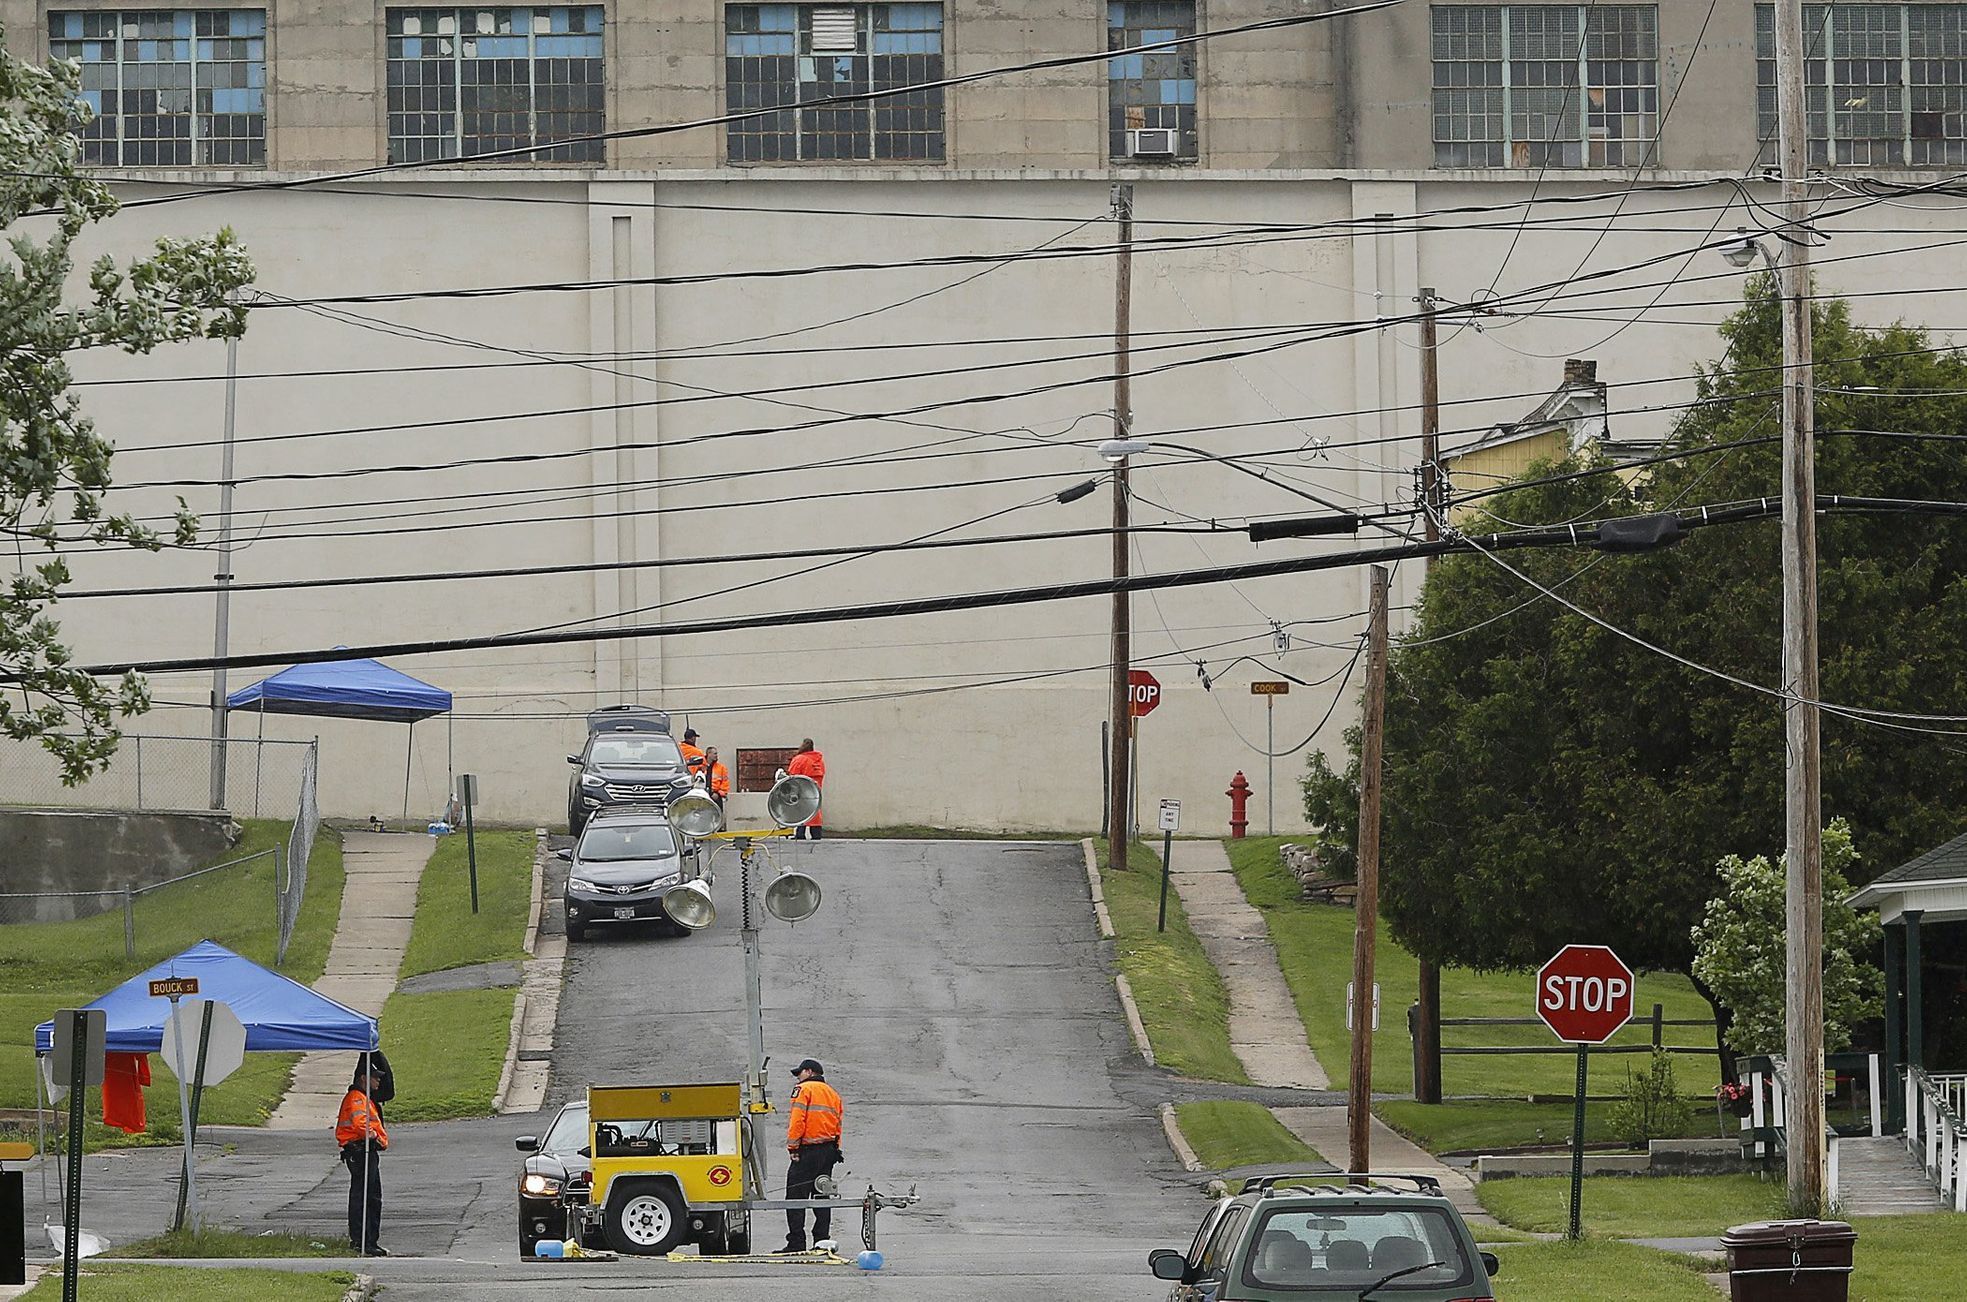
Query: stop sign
(1584, 994)
(1143, 692)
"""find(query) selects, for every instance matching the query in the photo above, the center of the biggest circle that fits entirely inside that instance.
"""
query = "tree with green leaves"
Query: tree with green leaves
(1548, 781)
(54, 464)
(1739, 949)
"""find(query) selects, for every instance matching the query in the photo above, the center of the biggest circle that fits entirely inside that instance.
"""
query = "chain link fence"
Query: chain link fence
(77, 906)
(257, 778)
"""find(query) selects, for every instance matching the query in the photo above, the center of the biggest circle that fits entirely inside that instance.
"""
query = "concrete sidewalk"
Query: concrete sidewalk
(377, 907)
(1264, 1029)
(1325, 1130)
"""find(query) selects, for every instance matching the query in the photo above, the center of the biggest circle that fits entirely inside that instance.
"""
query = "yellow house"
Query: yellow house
(1569, 420)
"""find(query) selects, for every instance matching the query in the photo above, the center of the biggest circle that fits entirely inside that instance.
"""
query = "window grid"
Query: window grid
(785, 55)
(1884, 85)
(169, 88)
(1156, 89)
(464, 82)
(1545, 85)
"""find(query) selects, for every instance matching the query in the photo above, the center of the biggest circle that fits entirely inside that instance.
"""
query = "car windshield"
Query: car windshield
(1344, 1249)
(569, 1131)
(635, 751)
(610, 842)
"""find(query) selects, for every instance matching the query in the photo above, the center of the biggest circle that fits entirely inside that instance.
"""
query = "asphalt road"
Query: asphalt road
(963, 1005)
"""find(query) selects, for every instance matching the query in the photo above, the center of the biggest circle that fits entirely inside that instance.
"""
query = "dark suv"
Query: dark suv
(629, 759)
(1298, 1238)
(624, 863)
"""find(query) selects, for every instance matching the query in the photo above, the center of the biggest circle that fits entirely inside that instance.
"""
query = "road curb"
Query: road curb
(1178, 1141)
(1135, 1026)
(1100, 914)
(539, 886)
(361, 1290)
(511, 1051)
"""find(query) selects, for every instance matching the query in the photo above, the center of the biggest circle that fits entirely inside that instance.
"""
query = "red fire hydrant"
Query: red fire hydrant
(1239, 800)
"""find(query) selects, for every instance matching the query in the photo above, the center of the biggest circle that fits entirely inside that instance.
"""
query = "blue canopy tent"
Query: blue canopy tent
(280, 1015)
(351, 689)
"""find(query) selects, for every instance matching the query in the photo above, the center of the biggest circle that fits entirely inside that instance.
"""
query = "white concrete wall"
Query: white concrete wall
(1022, 755)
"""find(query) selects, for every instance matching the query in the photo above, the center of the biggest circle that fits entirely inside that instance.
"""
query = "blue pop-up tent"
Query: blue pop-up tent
(280, 1015)
(349, 689)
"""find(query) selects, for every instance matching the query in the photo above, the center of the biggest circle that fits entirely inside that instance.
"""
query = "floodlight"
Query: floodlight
(696, 814)
(690, 905)
(792, 897)
(793, 801)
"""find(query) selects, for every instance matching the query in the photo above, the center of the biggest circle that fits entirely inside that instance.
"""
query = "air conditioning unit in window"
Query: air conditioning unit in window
(1157, 142)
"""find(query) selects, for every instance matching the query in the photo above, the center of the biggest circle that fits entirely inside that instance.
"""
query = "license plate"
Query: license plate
(627, 912)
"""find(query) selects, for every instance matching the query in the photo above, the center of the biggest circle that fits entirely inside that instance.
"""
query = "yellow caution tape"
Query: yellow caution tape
(813, 1258)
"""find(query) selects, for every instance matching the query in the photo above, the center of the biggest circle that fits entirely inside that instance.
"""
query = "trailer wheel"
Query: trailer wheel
(737, 1234)
(646, 1220)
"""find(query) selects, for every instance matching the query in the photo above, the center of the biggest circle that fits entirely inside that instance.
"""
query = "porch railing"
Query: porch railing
(1936, 1131)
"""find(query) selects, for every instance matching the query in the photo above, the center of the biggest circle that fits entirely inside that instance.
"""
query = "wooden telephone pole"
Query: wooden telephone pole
(1803, 812)
(1366, 905)
(1427, 1001)
(1119, 808)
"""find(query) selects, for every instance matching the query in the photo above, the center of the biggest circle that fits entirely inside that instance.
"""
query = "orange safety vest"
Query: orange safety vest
(809, 764)
(359, 1120)
(720, 780)
(816, 1114)
(692, 757)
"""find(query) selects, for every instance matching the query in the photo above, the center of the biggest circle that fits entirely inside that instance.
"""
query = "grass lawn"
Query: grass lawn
(1603, 1272)
(1502, 1123)
(1180, 994)
(448, 1049)
(131, 1283)
(1908, 1258)
(1314, 946)
(1226, 1134)
(49, 966)
(447, 934)
(184, 1244)
(1635, 1207)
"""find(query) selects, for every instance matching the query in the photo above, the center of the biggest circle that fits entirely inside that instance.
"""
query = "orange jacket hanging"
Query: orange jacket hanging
(123, 1077)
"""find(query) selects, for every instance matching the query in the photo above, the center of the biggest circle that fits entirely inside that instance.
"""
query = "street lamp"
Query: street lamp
(791, 897)
(1744, 249)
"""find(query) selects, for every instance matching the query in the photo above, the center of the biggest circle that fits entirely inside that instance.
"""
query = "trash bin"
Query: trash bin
(1789, 1261)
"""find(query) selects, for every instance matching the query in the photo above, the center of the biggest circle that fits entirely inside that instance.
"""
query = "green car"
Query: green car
(1395, 1238)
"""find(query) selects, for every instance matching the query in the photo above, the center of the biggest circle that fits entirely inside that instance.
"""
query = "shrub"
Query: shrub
(1650, 1106)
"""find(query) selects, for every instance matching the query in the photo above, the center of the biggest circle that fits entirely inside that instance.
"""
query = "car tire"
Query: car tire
(576, 931)
(646, 1220)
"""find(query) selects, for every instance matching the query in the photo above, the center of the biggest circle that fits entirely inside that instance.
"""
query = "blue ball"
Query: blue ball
(870, 1260)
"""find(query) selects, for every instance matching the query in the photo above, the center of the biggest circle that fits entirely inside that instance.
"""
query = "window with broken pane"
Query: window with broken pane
(1154, 89)
(465, 82)
(168, 87)
(783, 57)
(1572, 85)
(1884, 85)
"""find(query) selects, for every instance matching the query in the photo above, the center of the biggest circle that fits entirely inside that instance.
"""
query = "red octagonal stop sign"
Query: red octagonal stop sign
(1143, 692)
(1584, 994)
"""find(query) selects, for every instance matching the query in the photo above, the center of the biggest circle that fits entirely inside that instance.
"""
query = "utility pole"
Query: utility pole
(1366, 905)
(220, 629)
(1119, 806)
(1427, 1002)
(1803, 814)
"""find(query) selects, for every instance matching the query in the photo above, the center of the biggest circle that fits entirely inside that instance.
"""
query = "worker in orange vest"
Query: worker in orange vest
(692, 753)
(359, 1131)
(812, 1137)
(720, 777)
(808, 763)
